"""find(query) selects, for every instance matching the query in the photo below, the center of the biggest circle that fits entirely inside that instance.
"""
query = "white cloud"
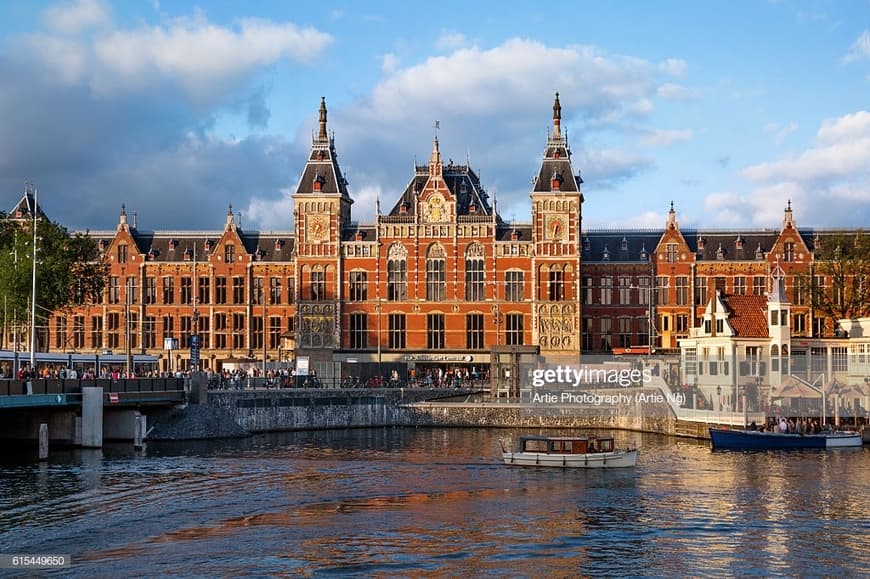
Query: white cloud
(845, 128)
(673, 66)
(664, 137)
(76, 16)
(450, 41)
(389, 63)
(859, 50)
(201, 57)
(785, 131)
(674, 91)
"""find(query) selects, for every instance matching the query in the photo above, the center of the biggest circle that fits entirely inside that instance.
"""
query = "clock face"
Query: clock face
(317, 228)
(555, 228)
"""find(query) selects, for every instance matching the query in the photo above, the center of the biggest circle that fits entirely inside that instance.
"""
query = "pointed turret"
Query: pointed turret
(557, 118)
(788, 218)
(322, 136)
(436, 168)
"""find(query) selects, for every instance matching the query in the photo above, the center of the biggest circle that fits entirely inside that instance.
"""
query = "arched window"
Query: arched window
(436, 282)
(397, 273)
(474, 264)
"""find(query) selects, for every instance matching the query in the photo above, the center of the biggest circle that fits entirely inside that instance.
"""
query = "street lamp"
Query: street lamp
(33, 295)
(719, 401)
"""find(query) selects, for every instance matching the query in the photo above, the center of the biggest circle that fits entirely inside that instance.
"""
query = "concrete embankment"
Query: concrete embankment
(238, 413)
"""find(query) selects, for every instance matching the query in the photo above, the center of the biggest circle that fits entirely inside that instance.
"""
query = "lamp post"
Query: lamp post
(719, 403)
(33, 289)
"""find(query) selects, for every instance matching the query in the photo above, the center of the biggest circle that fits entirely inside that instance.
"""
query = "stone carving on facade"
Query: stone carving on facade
(318, 326)
(556, 323)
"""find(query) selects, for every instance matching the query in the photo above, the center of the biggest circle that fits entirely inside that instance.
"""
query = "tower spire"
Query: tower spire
(323, 136)
(557, 118)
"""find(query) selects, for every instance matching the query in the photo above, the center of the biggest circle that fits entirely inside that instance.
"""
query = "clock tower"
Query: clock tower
(321, 209)
(556, 221)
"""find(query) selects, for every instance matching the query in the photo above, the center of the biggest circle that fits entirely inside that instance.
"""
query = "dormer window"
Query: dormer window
(279, 243)
(700, 243)
(102, 245)
(605, 255)
(557, 181)
(152, 254)
(208, 244)
(515, 235)
(403, 208)
(644, 255)
(759, 253)
(360, 235)
(472, 208)
(720, 253)
(319, 181)
(188, 254)
(172, 244)
(739, 242)
(586, 244)
(259, 254)
(624, 244)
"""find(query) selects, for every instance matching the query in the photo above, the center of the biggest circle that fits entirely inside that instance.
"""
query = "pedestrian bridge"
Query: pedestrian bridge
(22, 394)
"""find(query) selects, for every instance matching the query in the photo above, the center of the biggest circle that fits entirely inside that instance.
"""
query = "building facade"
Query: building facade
(438, 283)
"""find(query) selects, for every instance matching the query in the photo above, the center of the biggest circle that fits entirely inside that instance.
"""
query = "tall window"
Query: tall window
(474, 272)
(318, 284)
(275, 291)
(624, 332)
(587, 337)
(436, 284)
(132, 294)
(204, 293)
(606, 290)
(396, 331)
(759, 286)
(662, 290)
(274, 331)
(624, 289)
(701, 290)
(78, 332)
(671, 249)
(122, 253)
(238, 330)
(358, 286)
(220, 290)
(150, 290)
(514, 329)
(587, 290)
(114, 330)
(556, 287)
(435, 331)
(605, 341)
(259, 292)
(229, 253)
(682, 290)
(719, 281)
(168, 290)
(474, 331)
(788, 251)
(257, 332)
(397, 276)
(186, 290)
(149, 332)
(239, 289)
(740, 285)
(358, 330)
(114, 290)
(513, 291)
(59, 332)
(97, 332)
(168, 326)
(221, 329)
(644, 290)
(291, 290)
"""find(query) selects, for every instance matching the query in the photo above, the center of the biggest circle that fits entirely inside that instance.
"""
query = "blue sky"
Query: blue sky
(179, 109)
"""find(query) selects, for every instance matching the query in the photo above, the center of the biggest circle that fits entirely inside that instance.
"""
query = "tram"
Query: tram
(10, 362)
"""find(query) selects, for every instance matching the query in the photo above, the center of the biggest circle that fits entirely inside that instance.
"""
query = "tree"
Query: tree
(68, 269)
(839, 284)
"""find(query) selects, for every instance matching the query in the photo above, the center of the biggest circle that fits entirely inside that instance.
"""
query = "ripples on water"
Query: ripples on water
(412, 502)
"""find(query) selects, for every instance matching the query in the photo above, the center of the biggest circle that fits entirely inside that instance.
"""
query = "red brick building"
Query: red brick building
(438, 282)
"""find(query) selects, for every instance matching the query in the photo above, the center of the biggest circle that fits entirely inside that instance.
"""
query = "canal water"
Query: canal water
(426, 502)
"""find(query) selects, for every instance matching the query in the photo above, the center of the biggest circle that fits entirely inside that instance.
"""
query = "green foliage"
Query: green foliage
(68, 270)
(844, 261)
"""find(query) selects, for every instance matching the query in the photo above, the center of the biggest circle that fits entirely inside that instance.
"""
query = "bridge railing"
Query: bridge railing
(67, 386)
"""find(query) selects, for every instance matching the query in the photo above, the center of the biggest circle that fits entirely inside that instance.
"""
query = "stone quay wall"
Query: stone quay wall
(271, 410)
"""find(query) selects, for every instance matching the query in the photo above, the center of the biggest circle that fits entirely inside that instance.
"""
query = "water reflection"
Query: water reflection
(383, 502)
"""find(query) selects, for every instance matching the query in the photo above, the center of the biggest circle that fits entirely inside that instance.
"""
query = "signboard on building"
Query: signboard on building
(302, 365)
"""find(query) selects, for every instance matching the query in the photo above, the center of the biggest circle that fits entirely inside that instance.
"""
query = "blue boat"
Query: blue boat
(727, 439)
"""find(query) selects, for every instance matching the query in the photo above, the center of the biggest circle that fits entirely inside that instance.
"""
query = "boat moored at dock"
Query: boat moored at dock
(730, 439)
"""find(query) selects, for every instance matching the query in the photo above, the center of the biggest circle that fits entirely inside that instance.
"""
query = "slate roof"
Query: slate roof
(607, 245)
(462, 182)
(171, 246)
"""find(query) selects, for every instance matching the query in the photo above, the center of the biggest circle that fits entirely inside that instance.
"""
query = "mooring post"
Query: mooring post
(43, 441)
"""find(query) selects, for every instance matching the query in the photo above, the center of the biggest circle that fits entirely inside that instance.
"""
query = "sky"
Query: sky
(178, 110)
